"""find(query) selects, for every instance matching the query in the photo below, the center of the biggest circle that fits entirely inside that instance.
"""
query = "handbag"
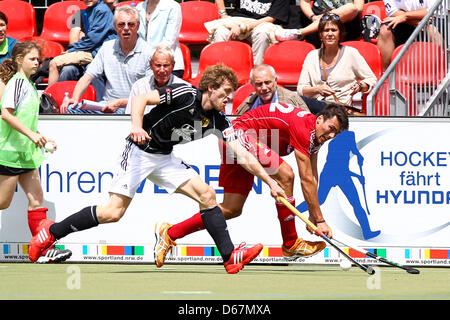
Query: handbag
(370, 25)
(48, 104)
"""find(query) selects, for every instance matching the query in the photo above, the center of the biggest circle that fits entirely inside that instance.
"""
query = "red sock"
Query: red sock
(287, 223)
(188, 226)
(34, 218)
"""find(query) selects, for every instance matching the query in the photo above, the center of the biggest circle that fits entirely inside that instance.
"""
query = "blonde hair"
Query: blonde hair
(9, 66)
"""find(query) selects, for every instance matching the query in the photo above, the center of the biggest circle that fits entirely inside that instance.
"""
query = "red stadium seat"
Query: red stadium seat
(424, 61)
(371, 54)
(130, 3)
(234, 54)
(422, 66)
(21, 18)
(50, 49)
(187, 62)
(58, 89)
(376, 8)
(287, 59)
(195, 14)
(57, 20)
(240, 95)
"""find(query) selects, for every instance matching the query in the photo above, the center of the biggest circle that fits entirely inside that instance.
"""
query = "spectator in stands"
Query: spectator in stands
(334, 72)
(160, 24)
(6, 43)
(162, 63)
(403, 17)
(97, 26)
(264, 81)
(348, 11)
(121, 61)
(255, 23)
(77, 30)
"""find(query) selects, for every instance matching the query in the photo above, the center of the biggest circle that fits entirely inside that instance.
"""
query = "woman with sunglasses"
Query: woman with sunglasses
(334, 73)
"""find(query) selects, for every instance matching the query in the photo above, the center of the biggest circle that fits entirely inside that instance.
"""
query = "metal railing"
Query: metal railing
(416, 83)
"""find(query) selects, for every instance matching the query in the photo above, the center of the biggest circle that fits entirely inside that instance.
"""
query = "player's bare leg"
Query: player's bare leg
(293, 247)
(232, 205)
(114, 210)
(8, 186)
(214, 221)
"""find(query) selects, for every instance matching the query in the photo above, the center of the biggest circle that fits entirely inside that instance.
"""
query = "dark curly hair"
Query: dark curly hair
(333, 109)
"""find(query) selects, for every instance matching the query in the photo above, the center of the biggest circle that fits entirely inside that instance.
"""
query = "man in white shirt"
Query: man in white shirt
(121, 61)
(162, 64)
(403, 18)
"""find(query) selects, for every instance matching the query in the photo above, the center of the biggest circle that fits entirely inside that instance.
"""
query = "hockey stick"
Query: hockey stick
(374, 256)
(294, 210)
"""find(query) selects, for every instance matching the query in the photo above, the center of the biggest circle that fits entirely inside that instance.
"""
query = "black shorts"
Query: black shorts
(402, 32)
(10, 171)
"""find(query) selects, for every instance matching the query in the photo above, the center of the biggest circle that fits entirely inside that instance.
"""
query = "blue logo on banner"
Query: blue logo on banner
(336, 173)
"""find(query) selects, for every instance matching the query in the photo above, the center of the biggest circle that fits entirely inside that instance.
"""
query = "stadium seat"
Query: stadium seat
(424, 61)
(187, 62)
(21, 18)
(50, 49)
(58, 89)
(371, 54)
(195, 14)
(376, 8)
(422, 66)
(240, 95)
(130, 3)
(57, 20)
(234, 54)
(287, 59)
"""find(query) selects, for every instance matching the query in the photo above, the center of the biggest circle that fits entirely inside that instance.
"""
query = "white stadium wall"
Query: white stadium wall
(406, 192)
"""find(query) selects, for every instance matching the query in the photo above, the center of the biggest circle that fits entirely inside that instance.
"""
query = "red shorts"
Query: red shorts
(234, 178)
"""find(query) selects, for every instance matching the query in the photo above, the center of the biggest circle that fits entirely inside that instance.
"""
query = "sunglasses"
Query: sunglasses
(330, 16)
(130, 25)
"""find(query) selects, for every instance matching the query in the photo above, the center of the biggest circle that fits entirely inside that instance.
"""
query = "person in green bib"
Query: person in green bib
(20, 141)
(6, 43)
